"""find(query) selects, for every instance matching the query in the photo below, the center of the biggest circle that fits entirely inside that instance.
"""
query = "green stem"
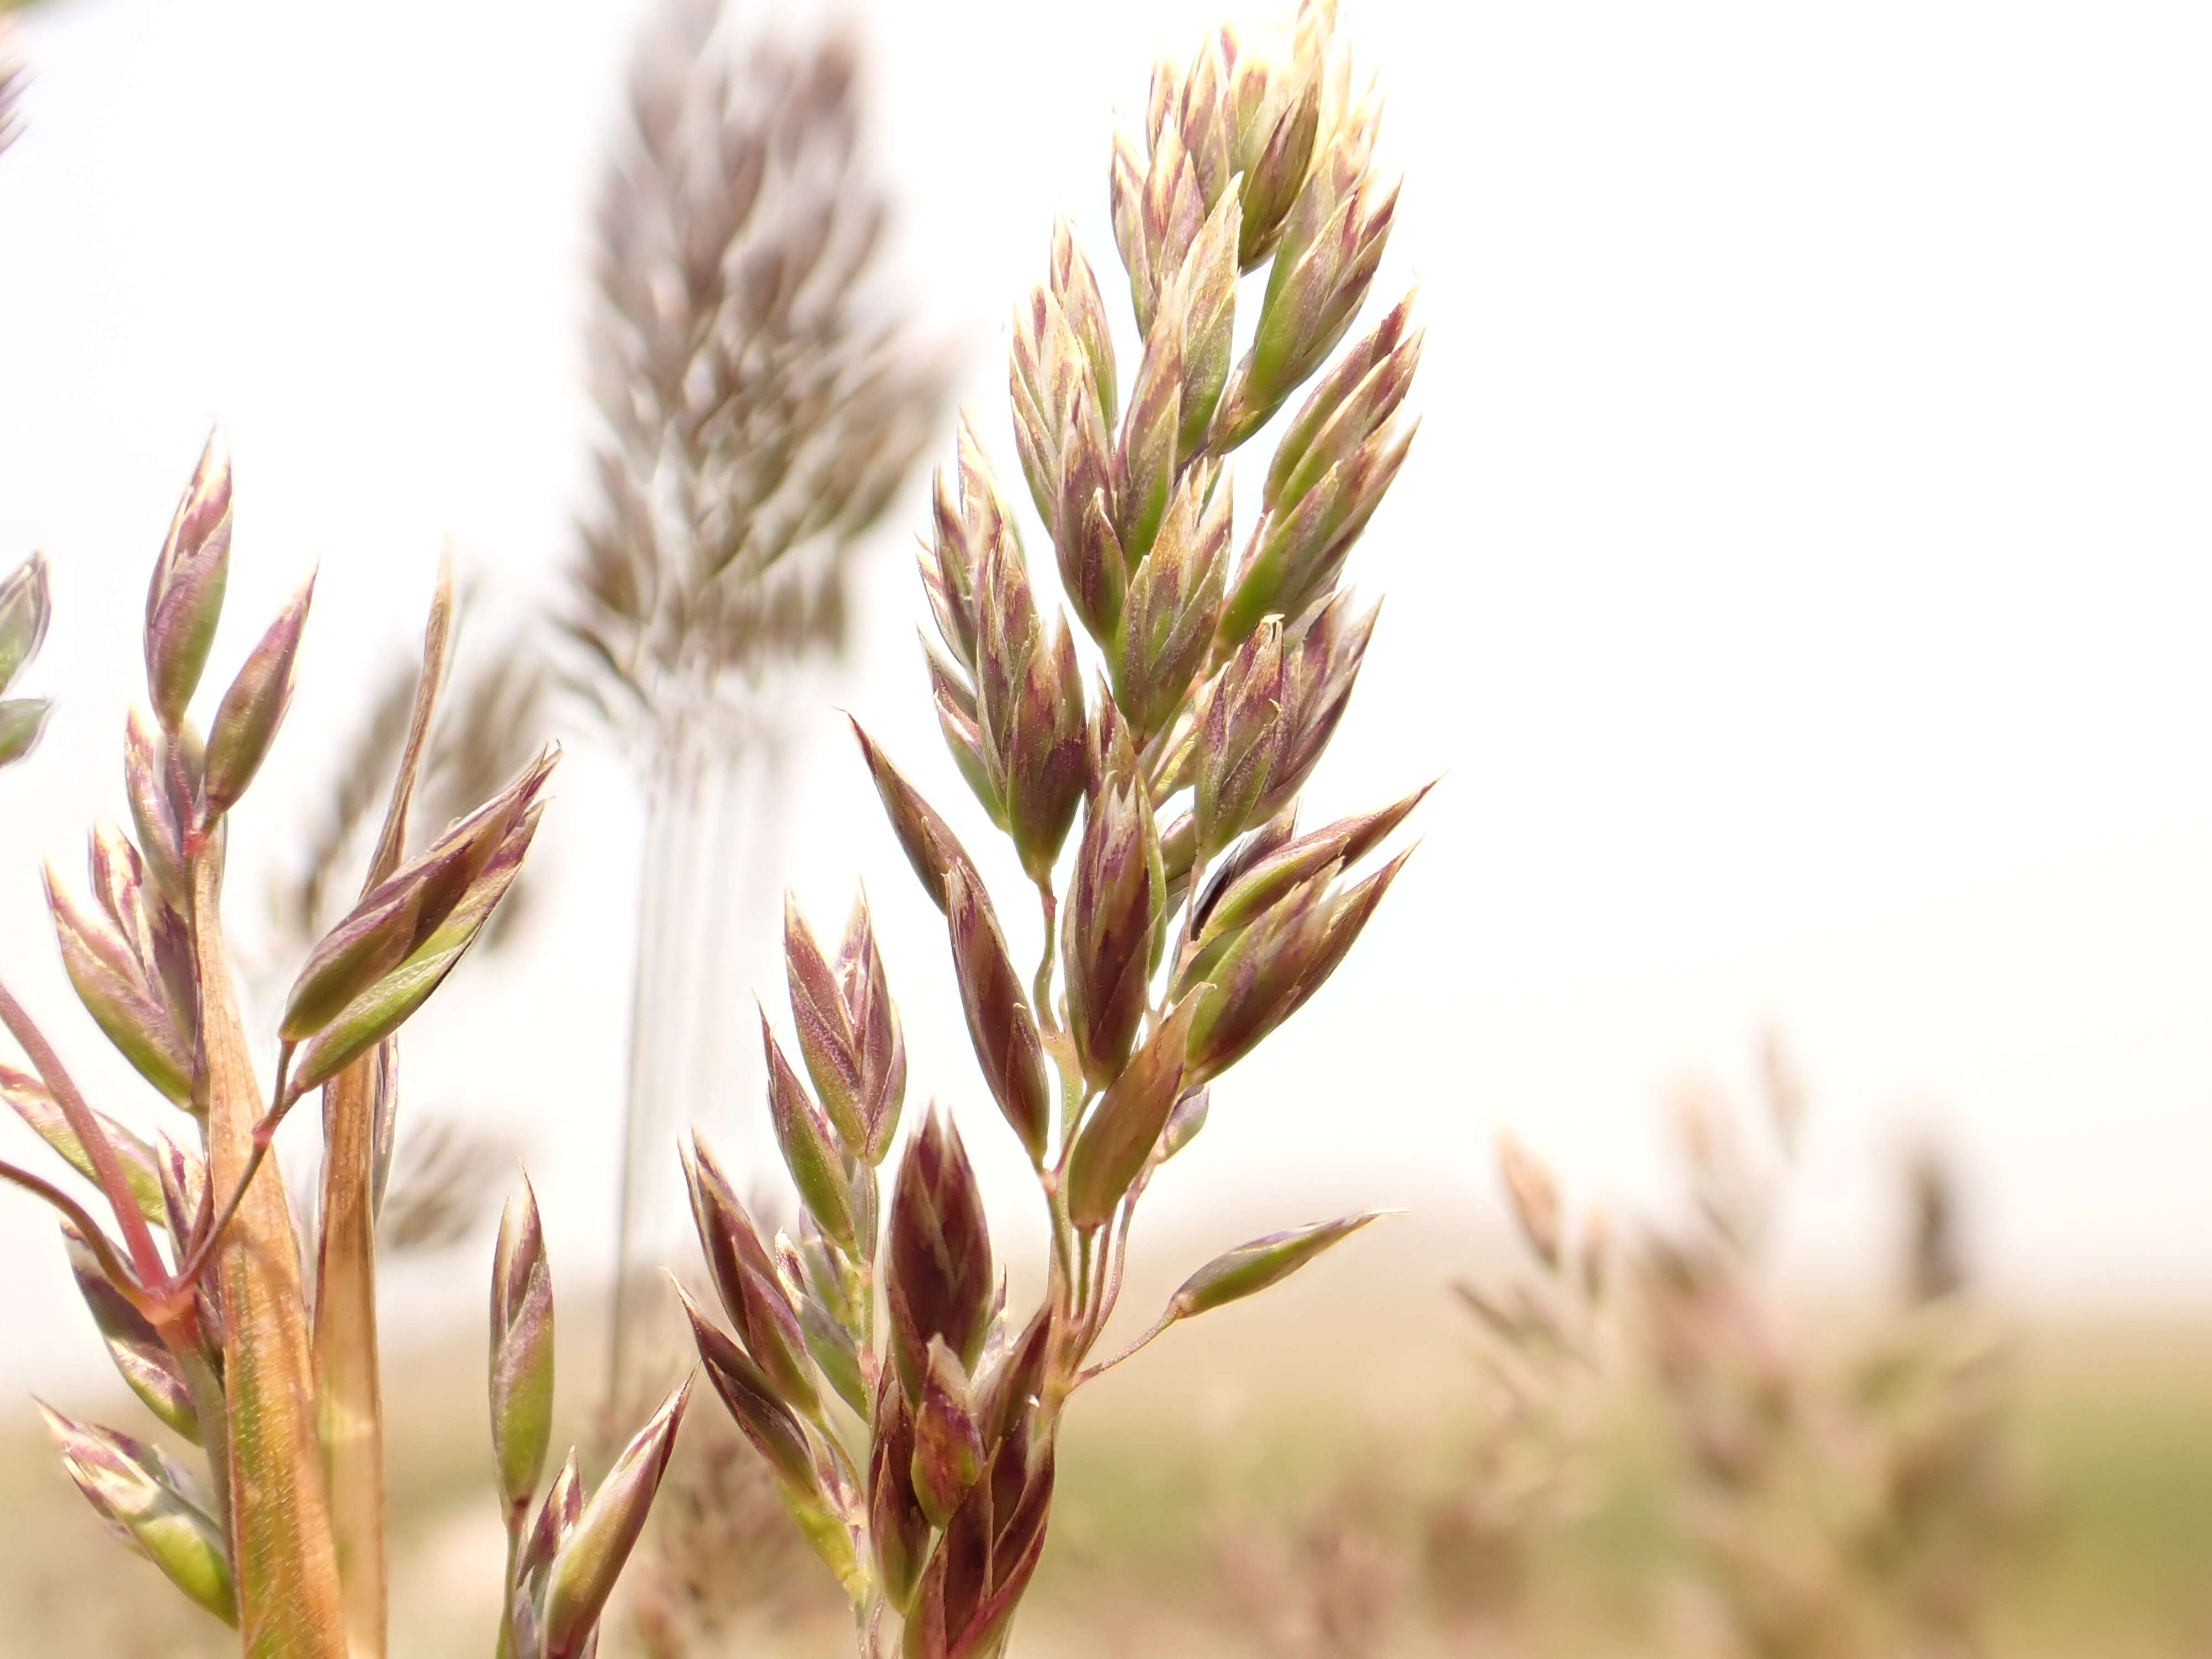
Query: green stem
(517, 1514)
(1134, 1348)
(1190, 930)
(1040, 991)
(264, 1136)
(1113, 1261)
(285, 1557)
(212, 1408)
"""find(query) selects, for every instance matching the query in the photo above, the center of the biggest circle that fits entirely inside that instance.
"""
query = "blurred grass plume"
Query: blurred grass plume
(763, 394)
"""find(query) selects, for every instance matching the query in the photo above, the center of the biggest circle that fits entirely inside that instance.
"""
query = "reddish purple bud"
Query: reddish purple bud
(155, 811)
(970, 520)
(29, 1099)
(1063, 411)
(1184, 1122)
(1167, 623)
(449, 884)
(897, 1528)
(977, 1573)
(1207, 281)
(940, 1278)
(874, 1021)
(1009, 1391)
(1192, 99)
(826, 1039)
(1262, 880)
(1250, 1268)
(153, 1504)
(185, 601)
(928, 842)
(598, 1545)
(1124, 1129)
(948, 1449)
(1093, 567)
(1045, 754)
(1146, 460)
(1172, 210)
(1245, 855)
(1034, 365)
(117, 989)
(521, 1349)
(119, 882)
(246, 720)
(1347, 407)
(557, 1515)
(1116, 909)
(142, 1359)
(1077, 291)
(752, 1293)
(955, 701)
(810, 1147)
(392, 998)
(1319, 665)
(1010, 637)
(727, 1235)
(1272, 183)
(1241, 730)
(1000, 1025)
(1298, 550)
(978, 585)
(776, 1434)
(186, 1211)
(1332, 243)
(1125, 198)
(159, 948)
(1269, 970)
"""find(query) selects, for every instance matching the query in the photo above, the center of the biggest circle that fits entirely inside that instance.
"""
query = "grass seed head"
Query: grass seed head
(1194, 921)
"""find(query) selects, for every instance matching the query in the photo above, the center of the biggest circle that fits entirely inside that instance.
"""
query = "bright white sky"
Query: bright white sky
(1801, 579)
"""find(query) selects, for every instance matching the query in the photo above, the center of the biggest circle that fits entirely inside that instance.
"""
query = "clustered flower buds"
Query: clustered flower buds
(383, 961)
(1008, 693)
(198, 1295)
(1191, 918)
(565, 1559)
(131, 962)
(153, 1504)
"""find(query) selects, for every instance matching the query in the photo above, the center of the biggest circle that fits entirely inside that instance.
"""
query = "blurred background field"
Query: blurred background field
(1289, 1450)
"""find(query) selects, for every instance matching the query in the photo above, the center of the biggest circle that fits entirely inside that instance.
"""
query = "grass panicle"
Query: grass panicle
(1142, 756)
(197, 1280)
